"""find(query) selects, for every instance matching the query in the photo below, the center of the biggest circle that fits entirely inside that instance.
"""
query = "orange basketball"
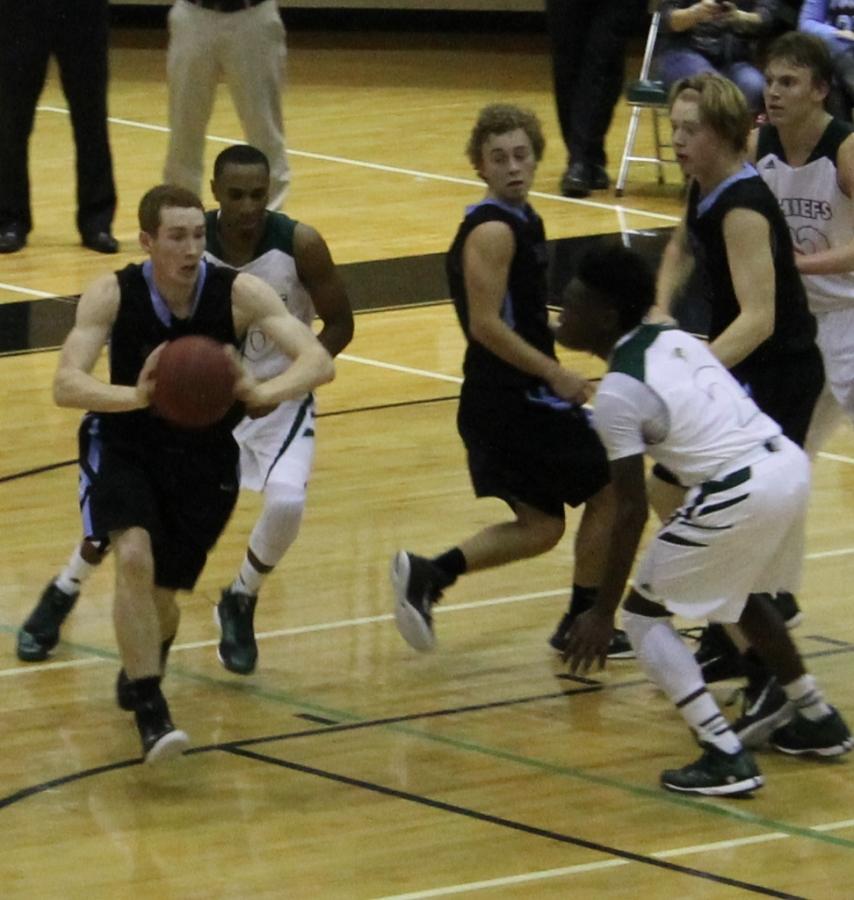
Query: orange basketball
(194, 382)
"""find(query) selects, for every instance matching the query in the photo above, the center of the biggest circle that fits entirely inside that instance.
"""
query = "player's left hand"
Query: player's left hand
(588, 641)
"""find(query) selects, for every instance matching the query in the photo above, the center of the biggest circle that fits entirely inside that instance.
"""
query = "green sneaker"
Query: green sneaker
(235, 615)
(825, 737)
(715, 773)
(40, 633)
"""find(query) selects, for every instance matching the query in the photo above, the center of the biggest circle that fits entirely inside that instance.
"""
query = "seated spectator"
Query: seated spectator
(833, 22)
(712, 36)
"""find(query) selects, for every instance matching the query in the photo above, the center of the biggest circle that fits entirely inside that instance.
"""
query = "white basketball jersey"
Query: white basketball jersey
(666, 394)
(819, 215)
(274, 264)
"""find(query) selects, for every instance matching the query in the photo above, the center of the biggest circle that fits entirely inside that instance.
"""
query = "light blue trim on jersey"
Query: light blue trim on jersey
(507, 314)
(747, 171)
(89, 467)
(161, 308)
(519, 211)
(544, 397)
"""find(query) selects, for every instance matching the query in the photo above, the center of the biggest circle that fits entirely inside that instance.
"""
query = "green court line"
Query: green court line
(283, 697)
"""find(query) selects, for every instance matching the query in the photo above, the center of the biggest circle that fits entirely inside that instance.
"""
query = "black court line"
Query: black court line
(513, 825)
(40, 470)
(35, 789)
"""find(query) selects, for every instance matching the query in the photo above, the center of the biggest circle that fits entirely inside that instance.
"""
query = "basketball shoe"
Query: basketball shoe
(40, 633)
(235, 615)
(829, 736)
(715, 773)
(161, 740)
(417, 587)
(765, 708)
(619, 648)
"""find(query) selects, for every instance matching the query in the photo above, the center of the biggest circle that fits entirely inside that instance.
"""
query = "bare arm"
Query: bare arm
(676, 265)
(591, 634)
(317, 272)
(840, 259)
(73, 385)
(487, 255)
(255, 303)
(751, 266)
(690, 16)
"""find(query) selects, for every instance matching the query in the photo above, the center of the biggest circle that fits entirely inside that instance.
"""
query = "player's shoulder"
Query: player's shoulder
(630, 356)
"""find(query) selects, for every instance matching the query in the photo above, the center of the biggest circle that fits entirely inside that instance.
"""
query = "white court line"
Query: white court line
(284, 632)
(397, 368)
(545, 874)
(22, 290)
(393, 170)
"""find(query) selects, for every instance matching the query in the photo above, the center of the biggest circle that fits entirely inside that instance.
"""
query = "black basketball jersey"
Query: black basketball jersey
(524, 307)
(794, 326)
(144, 321)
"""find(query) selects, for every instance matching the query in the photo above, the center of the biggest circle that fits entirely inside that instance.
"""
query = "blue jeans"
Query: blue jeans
(672, 65)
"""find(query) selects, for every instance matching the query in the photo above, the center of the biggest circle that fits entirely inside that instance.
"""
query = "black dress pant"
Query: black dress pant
(76, 33)
(588, 40)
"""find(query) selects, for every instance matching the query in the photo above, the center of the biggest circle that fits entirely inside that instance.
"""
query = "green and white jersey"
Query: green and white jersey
(666, 394)
(274, 263)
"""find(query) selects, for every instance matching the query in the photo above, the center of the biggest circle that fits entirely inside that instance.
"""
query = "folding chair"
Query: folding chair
(645, 94)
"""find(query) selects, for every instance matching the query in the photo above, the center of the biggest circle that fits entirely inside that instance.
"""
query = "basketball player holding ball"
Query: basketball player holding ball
(161, 493)
(276, 449)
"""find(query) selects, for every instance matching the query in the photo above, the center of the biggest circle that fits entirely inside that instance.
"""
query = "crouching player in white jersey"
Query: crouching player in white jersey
(276, 449)
(739, 533)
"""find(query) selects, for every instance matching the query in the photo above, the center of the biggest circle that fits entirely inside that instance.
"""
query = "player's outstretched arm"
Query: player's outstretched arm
(318, 273)
(255, 303)
(73, 384)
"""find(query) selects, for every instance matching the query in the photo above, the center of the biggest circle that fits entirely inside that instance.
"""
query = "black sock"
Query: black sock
(581, 600)
(146, 689)
(452, 564)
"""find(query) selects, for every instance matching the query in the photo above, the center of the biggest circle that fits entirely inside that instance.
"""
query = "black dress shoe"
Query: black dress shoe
(12, 239)
(101, 242)
(577, 180)
(599, 179)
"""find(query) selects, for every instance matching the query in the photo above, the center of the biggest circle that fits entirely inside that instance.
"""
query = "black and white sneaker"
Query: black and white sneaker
(766, 708)
(619, 648)
(161, 740)
(40, 633)
(788, 608)
(829, 736)
(416, 583)
(715, 773)
(717, 656)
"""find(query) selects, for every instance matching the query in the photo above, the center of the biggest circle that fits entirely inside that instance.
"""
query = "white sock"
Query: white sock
(807, 697)
(274, 532)
(249, 579)
(75, 573)
(670, 664)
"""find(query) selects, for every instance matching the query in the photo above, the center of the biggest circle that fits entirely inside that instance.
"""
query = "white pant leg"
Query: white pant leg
(254, 66)
(723, 545)
(826, 418)
(193, 67)
(836, 342)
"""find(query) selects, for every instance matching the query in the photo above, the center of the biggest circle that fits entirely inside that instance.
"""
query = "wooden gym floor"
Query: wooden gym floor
(348, 766)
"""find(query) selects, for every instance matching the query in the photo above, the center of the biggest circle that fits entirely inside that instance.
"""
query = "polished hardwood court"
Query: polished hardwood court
(347, 765)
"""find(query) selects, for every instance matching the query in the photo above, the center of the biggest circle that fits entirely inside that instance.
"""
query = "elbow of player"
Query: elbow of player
(61, 392)
(479, 331)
